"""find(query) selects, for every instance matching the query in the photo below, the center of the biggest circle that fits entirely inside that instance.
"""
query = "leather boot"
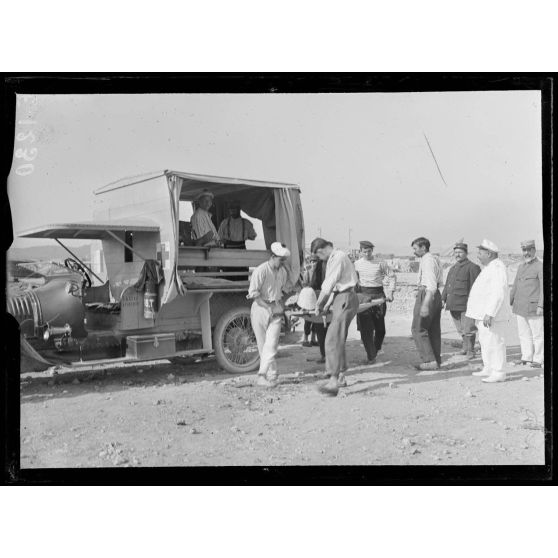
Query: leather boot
(464, 346)
(470, 346)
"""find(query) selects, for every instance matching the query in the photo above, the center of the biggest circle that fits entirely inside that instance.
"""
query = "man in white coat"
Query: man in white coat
(488, 306)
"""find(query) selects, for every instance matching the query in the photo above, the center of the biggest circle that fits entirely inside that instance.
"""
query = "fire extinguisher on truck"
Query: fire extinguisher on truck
(148, 282)
(150, 300)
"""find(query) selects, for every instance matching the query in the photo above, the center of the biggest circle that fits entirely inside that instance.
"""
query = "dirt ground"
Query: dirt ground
(194, 414)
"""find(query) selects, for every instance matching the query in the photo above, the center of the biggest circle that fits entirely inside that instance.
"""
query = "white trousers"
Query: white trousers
(493, 346)
(531, 338)
(267, 328)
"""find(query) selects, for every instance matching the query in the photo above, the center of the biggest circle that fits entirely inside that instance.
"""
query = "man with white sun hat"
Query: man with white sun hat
(488, 305)
(268, 284)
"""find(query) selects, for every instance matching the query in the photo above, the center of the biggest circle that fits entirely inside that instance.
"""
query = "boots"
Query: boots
(464, 345)
(469, 345)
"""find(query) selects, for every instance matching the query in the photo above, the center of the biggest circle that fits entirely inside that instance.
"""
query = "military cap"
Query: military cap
(461, 246)
(528, 244)
(365, 244)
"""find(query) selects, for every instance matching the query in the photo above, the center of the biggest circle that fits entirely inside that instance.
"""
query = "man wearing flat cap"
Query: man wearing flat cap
(234, 231)
(488, 306)
(268, 284)
(204, 232)
(526, 298)
(371, 278)
(459, 282)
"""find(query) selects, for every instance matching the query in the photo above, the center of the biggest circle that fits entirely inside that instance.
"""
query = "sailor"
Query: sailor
(235, 230)
(371, 277)
(526, 298)
(268, 284)
(488, 306)
(204, 232)
(428, 307)
(459, 281)
(340, 281)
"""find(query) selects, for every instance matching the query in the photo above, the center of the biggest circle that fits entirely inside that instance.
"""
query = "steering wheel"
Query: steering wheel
(75, 266)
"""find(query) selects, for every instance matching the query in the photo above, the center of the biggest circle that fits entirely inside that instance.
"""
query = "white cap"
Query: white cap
(488, 245)
(279, 249)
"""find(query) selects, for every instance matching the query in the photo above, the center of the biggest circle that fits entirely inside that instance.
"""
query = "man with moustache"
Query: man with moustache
(488, 306)
(459, 281)
(526, 298)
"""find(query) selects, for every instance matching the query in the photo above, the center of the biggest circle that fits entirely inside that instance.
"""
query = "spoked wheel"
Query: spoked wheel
(234, 341)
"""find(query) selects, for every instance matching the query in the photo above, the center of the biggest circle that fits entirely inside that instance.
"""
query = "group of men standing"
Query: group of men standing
(478, 300)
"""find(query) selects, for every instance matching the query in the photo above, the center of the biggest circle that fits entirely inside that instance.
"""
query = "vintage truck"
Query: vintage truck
(114, 310)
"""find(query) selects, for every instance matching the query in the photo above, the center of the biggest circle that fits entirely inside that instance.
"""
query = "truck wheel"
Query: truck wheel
(234, 342)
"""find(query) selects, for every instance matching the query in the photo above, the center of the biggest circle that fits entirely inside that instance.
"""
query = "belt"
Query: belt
(269, 302)
(374, 289)
(235, 244)
(349, 290)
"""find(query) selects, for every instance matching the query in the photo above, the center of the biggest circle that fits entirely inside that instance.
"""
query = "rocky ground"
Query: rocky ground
(194, 414)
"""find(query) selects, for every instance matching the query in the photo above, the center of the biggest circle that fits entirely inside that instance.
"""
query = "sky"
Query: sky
(361, 159)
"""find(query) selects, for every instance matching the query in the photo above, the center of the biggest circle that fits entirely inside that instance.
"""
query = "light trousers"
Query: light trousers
(531, 338)
(493, 346)
(266, 323)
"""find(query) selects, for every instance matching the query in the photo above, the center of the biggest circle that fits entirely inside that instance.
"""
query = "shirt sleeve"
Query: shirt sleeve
(333, 274)
(195, 222)
(222, 228)
(429, 274)
(256, 282)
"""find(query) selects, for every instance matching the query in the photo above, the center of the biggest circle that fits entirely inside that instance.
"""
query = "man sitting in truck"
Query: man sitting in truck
(204, 232)
(234, 231)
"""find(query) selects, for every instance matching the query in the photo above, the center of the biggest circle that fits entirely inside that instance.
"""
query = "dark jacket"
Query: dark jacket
(460, 279)
(527, 291)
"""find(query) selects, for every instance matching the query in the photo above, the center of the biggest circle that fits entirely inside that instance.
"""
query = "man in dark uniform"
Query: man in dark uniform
(459, 281)
(526, 298)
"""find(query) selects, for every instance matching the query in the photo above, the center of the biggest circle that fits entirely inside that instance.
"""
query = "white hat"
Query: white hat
(204, 193)
(307, 299)
(488, 245)
(279, 249)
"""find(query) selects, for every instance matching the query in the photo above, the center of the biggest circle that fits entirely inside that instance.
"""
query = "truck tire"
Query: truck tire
(234, 342)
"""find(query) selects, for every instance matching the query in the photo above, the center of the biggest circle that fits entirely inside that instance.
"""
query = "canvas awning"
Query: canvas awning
(196, 183)
(88, 230)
